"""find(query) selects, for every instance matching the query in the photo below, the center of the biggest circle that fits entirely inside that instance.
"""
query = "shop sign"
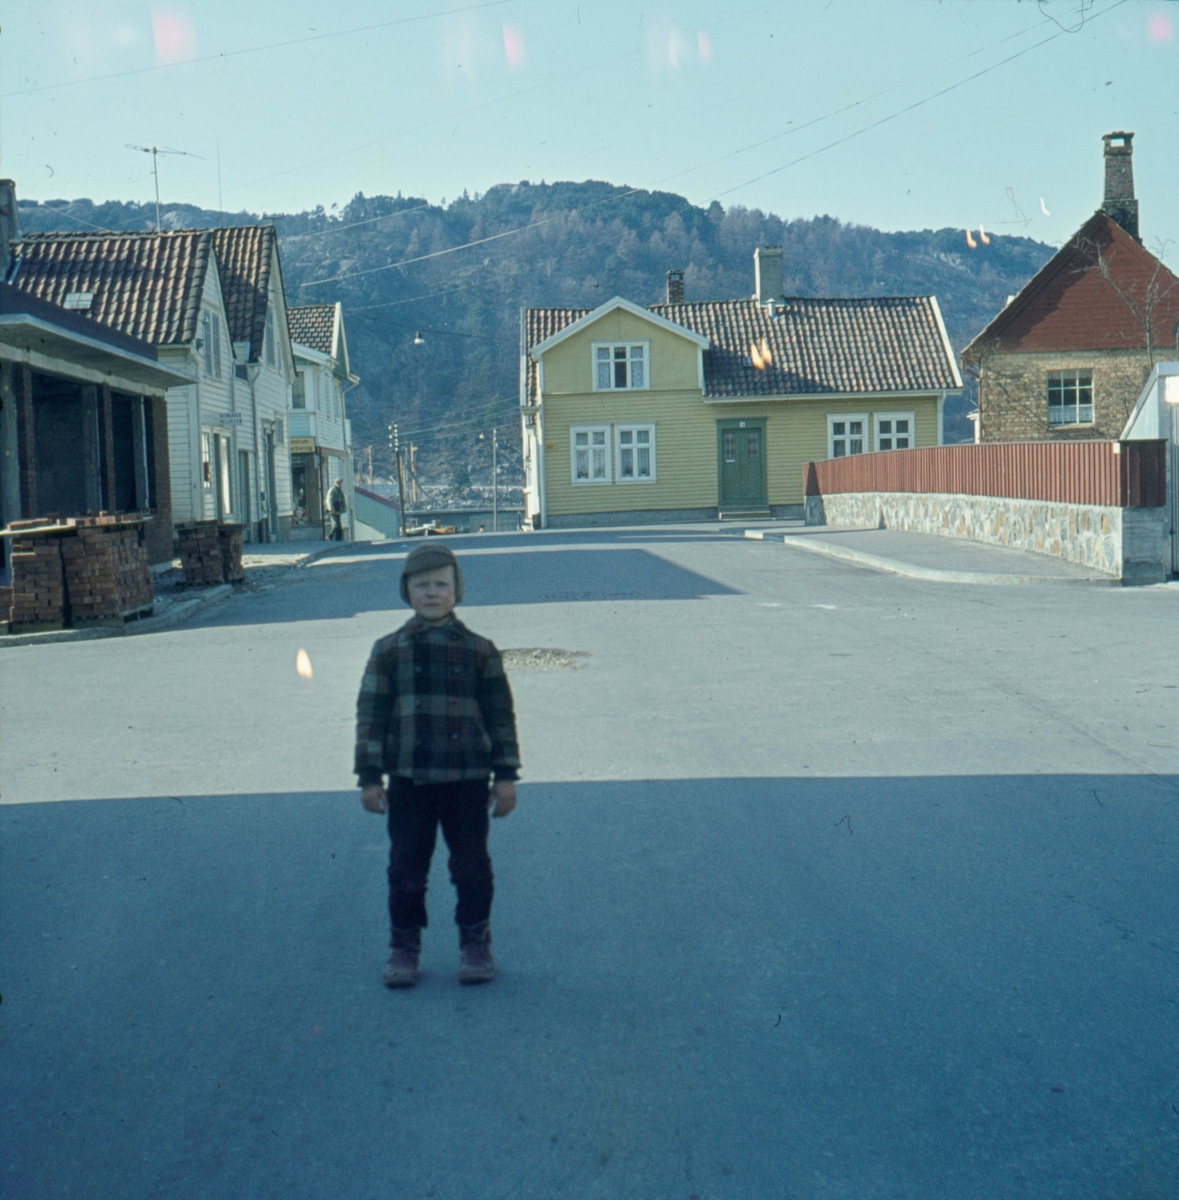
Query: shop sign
(302, 445)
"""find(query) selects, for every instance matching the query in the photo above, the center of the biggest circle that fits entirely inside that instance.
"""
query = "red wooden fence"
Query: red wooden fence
(1121, 474)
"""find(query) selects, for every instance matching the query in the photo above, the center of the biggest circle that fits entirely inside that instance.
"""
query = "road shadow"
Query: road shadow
(336, 588)
(926, 987)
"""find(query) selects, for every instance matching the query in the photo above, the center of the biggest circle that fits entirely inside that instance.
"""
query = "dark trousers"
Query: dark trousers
(415, 812)
(337, 533)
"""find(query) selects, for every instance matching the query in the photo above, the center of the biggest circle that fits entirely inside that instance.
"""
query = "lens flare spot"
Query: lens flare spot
(983, 236)
(970, 240)
(703, 47)
(173, 34)
(1159, 28)
(513, 47)
(1044, 207)
(303, 665)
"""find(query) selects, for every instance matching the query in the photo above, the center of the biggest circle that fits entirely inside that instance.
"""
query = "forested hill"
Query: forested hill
(578, 244)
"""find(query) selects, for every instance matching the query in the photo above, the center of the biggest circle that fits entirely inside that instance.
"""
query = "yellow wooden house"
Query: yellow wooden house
(694, 411)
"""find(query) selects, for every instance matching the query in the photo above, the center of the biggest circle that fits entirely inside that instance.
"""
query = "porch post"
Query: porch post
(139, 441)
(27, 444)
(91, 447)
(107, 456)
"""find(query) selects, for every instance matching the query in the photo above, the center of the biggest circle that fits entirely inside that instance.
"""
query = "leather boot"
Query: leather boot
(475, 961)
(405, 947)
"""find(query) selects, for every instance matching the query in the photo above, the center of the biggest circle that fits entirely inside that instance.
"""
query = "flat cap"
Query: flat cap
(429, 556)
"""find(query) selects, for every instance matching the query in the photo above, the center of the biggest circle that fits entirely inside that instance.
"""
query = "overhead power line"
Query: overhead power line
(728, 191)
(227, 54)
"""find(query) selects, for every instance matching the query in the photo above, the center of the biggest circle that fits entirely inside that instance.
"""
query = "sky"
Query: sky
(900, 114)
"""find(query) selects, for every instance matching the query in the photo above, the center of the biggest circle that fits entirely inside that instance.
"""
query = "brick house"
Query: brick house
(1067, 356)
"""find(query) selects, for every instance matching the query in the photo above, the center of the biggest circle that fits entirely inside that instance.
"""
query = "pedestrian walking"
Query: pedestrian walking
(435, 719)
(337, 506)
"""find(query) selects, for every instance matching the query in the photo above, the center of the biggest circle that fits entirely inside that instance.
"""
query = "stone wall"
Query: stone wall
(1131, 544)
(1013, 393)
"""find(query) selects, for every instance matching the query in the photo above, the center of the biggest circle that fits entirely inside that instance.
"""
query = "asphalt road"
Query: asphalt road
(823, 883)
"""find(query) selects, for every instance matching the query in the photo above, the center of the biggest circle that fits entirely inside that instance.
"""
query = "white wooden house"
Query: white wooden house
(211, 303)
(320, 432)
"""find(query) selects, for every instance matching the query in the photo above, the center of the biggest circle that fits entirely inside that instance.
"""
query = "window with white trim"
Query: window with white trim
(621, 366)
(846, 434)
(299, 390)
(634, 453)
(206, 460)
(211, 343)
(591, 453)
(1070, 398)
(270, 351)
(894, 431)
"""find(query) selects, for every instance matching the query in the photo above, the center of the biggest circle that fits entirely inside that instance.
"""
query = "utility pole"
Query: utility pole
(494, 481)
(395, 445)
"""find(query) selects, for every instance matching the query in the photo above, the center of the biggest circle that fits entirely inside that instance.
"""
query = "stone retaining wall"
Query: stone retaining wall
(1130, 544)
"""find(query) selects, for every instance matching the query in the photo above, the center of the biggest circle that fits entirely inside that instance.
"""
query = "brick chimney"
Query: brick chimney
(675, 287)
(1119, 202)
(9, 224)
(767, 273)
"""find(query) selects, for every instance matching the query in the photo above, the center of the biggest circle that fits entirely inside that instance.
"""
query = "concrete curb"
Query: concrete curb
(892, 566)
(174, 614)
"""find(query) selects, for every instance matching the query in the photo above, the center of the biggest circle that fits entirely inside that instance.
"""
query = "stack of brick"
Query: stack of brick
(200, 554)
(38, 584)
(231, 552)
(106, 573)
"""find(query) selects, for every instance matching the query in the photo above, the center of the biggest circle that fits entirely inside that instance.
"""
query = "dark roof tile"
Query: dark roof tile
(313, 326)
(815, 346)
(146, 285)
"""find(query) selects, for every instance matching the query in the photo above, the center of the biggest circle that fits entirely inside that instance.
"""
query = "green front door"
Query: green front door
(741, 463)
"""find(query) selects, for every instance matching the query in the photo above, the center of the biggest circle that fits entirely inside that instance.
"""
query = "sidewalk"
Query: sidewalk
(264, 564)
(933, 558)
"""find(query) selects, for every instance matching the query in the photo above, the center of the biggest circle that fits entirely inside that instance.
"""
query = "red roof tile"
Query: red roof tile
(1071, 304)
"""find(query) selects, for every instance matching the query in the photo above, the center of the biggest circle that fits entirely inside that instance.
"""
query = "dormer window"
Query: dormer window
(621, 366)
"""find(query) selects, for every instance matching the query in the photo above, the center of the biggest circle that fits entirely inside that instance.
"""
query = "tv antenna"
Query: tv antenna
(154, 151)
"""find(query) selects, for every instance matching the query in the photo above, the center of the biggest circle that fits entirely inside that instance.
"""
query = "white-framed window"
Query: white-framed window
(894, 431)
(211, 343)
(299, 390)
(634, 453)
(206, 461)
(847, 434)
(590, 446)
(1070, 397)
(270, 350)
(621, 366)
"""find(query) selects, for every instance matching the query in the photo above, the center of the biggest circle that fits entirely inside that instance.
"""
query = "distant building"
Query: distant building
(320, 432)
(693, 410)
(1068, 356)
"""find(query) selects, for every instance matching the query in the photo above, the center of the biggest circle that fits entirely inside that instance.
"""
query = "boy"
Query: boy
(435, 715)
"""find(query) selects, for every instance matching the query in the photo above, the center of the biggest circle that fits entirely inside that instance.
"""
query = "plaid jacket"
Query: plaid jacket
(435, 707)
